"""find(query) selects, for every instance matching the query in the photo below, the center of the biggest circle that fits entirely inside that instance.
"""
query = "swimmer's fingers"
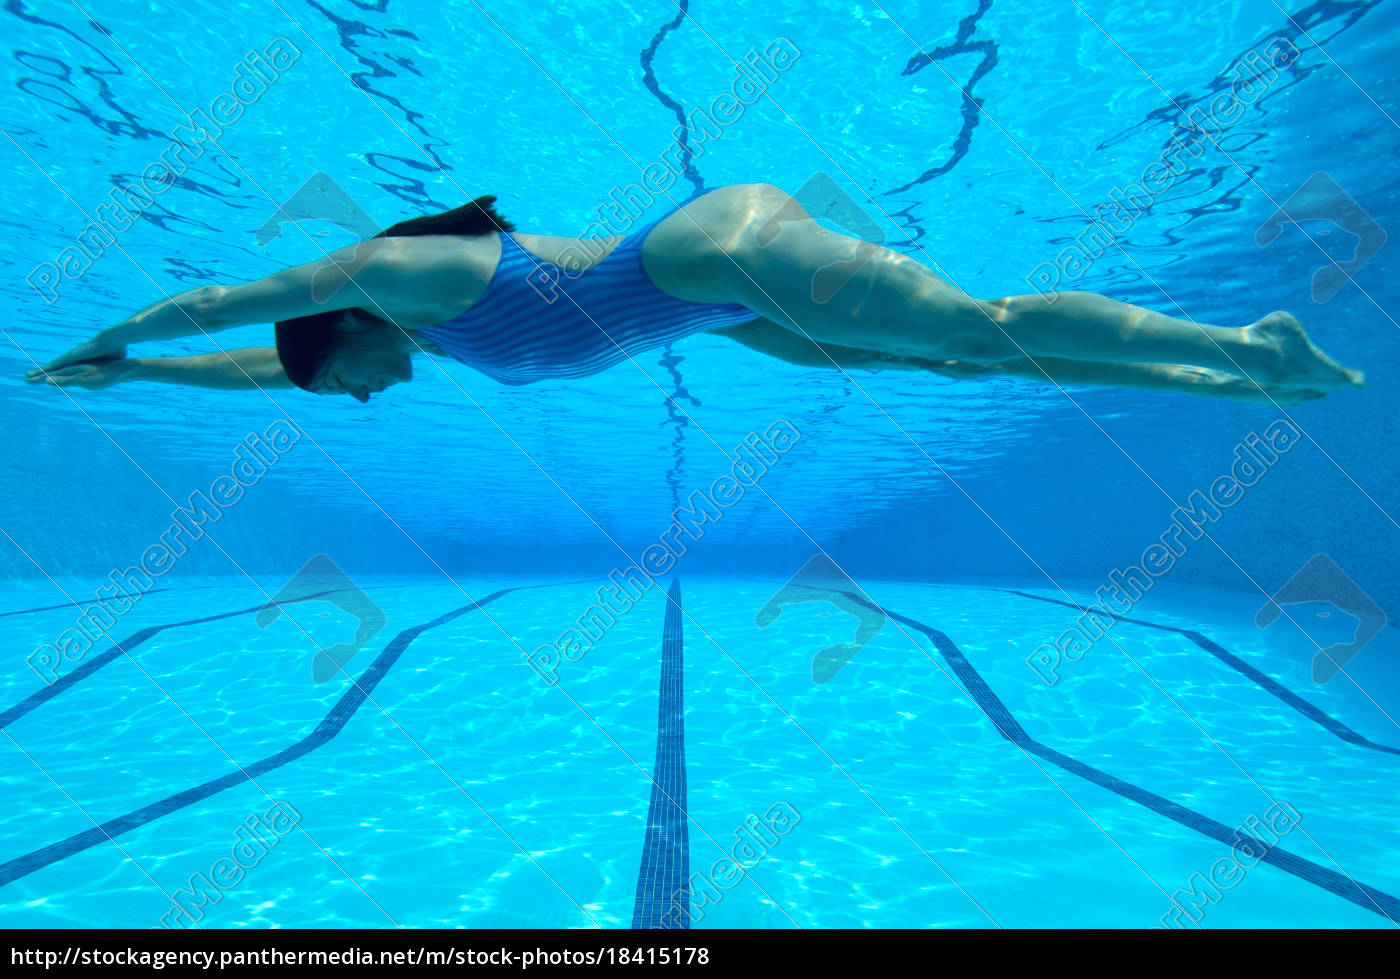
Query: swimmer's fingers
(91, 376)
(89, 350)
(79, 375)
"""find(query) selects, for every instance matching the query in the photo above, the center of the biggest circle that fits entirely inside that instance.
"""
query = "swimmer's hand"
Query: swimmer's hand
(100, 347)
(92, 375)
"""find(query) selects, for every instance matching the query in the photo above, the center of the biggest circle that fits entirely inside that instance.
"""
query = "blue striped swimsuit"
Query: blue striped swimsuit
(535, 322)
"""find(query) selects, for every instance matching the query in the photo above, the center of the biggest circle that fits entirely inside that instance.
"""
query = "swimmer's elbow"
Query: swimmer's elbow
(204, 306)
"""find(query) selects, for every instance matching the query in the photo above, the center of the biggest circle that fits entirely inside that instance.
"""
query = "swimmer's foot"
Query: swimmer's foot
(1294, 361)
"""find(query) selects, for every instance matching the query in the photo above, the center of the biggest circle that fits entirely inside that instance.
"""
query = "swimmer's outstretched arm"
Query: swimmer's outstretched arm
(344, 279)
(246, 368)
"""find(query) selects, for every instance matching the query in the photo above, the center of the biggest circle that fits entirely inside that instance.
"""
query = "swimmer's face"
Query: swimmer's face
(366, 362)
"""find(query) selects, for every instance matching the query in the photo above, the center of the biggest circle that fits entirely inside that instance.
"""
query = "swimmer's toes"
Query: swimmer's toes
(1300, 363)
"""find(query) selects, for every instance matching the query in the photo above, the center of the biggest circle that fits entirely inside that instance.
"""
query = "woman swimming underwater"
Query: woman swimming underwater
(744, 261)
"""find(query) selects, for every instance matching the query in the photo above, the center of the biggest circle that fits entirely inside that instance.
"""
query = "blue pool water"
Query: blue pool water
(484, 758)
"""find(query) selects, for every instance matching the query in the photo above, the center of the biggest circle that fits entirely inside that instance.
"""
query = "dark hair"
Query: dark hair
(305, 342)
(475, 218)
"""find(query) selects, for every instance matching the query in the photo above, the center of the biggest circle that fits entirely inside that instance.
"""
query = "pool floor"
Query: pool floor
(477, 764)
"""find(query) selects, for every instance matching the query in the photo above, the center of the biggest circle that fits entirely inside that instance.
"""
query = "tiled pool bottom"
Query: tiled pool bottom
(934, 780)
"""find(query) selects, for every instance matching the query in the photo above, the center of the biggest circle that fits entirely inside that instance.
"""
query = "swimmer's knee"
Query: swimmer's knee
(973, 331)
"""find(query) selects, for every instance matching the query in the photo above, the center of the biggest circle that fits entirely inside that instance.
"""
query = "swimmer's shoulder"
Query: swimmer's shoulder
(439, 277)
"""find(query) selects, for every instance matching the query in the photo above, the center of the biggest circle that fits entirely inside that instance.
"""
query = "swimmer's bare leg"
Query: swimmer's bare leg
(769, 338)
(755, 245)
